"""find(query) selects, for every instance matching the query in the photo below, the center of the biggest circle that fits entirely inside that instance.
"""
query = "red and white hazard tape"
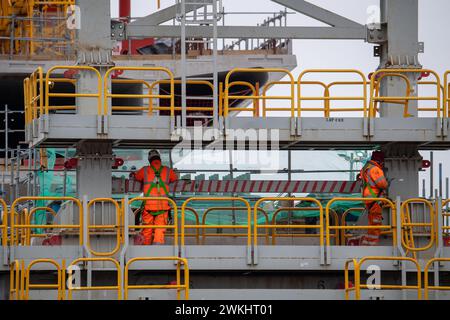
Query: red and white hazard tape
(246, 186)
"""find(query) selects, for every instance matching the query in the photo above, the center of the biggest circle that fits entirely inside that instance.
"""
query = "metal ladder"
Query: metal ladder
(208, 15)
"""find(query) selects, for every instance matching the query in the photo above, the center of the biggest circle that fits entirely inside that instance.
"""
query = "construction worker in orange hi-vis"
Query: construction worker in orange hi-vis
(375, 185)
(155, 180)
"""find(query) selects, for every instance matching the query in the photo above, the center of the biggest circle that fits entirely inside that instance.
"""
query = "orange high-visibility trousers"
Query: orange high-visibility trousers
(375, 219)
(158, 234)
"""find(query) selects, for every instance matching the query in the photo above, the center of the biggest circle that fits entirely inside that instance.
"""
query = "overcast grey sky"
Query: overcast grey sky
(433, 27)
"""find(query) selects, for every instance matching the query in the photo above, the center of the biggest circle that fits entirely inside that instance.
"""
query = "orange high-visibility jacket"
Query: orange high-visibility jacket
(152, 186)
(374, 181)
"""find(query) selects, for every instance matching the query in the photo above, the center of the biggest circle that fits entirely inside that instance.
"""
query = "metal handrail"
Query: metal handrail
(325, 98)
(227, 96)
(117, 226)
(427, 287)
(374, 79)
(26, 100)
(377, 89)
(344, 236)
(357, 270)
(433, 83)
(237, 199)
(13, 213)
(117, 287)
(35, 100)
(4, 225)
(107, 94)
(344, 223)
(15, 275)
(205, 214)
(28, 221)
(175, 216)
(277, 212)
(179, 108)
(275, 226)
(178, 286)
(57, 286)
(252, 88)
(132, 81)
(390, 228)
(49, 95)
(445, 203)
(446, 94)
(407, 226)
(269, 85)
(197, 220)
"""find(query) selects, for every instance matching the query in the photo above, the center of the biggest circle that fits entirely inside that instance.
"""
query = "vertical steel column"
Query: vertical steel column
(400, 51)
(95, 49)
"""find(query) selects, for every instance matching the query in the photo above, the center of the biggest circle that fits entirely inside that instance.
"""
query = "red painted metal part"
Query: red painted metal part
(131, 47)
(426, 164)
(121, 185)
(125, 9)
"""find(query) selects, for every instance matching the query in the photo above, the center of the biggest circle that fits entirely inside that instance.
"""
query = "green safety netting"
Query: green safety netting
(51, 185)
(338, 206)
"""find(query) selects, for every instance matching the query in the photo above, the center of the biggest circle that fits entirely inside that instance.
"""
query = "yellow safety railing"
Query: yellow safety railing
(377, 89)
(117, 287)
(445, 214)
(318, 206)
(179, 287)
(197, 221)
(327, 98)
(228, 97)
(58, 286)
(205, 214)
(276, 235)
(15, 280)
(116, 226)
(4, 225)
(427, 286)
(107, 91)
(254, 89)
(179, 108)
(446, 94)
(344, 236)
(375, 82)
(28, 222)
(428, 109)
(407, 225)
(389, 228)
(19, 233)
(34, 95)
(212, 199)
(357, 277)
(269, 85)
(24, 225)
(174, 206)
(133, 108)
(26, 101)
(50, 80)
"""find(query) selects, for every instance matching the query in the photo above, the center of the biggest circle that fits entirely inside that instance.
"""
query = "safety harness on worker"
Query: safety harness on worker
(369, 183)
(157, 183)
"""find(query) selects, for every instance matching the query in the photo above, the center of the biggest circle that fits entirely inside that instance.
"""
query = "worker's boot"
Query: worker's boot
(354, 241)
(370, 240)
